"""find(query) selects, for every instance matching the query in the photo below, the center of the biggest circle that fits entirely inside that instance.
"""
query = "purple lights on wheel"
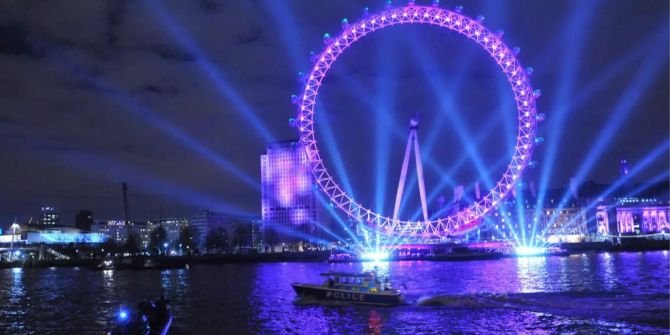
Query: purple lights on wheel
(473, 29)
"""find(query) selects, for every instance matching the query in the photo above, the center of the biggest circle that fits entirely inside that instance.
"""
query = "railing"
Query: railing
(57, 254)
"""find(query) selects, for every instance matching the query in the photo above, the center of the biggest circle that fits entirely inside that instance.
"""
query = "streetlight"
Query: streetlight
(13, 227)
(165, 246)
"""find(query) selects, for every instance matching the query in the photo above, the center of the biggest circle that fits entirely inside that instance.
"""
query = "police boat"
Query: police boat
(358, 288)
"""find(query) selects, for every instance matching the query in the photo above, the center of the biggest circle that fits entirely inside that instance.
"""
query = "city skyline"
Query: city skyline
(154, 105)
(335, 167)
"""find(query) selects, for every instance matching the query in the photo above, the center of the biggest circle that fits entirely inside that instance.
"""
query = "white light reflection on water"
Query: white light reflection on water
(532, 273)
(108, 296)
(608, 271)
(382, 268)
(17, 290)
(166, 283)
(109, 286)
(13, 307)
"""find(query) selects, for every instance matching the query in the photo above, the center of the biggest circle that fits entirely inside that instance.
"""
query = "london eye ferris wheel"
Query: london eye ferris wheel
(491, 43)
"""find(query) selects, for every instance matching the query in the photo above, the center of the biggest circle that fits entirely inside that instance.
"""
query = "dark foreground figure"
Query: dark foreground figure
(151, 318)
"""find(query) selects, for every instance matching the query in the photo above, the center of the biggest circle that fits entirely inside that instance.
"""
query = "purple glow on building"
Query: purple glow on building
(288, 203)
(602, 221)
(299, 216)
(643, 220)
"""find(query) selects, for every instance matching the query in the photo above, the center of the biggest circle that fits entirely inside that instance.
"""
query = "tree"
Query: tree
(242, 236)
(132, 244)
(157, 239)
(217, 240)
(186, 240)
(271, 238)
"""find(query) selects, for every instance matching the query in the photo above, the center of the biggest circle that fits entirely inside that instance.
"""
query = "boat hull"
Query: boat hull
(333, 294)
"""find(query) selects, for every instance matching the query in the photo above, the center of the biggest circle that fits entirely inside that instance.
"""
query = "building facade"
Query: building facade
(113, 230)
(643, 220)
(49, 216)
(289, 203)
(84, 220)
(118, 231)
(24, 234)
(172, 226)
(142, 232)
(204, 222)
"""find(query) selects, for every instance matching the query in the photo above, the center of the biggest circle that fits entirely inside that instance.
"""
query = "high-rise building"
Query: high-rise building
(84, 220)
(49, 216)
(172, 226)
(289, 203)
(114, 230)
(142, 233)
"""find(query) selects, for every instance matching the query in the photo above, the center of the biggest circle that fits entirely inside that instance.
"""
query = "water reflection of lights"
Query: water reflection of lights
(609, 275)
(382, 268)
(181, 277)
(17, 289)
(374, 323)
(531, 272)
(17, 300)
(108, 279)
(165, 279)
(529, 251)
(180, 287)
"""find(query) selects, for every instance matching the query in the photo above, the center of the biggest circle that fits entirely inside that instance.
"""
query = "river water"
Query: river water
(625, 293)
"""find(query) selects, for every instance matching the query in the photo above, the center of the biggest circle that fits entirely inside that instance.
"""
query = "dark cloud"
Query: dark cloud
(15, 39)
(168, 52)
(209, 6)
(253, 35)
(82, 84)
(115, 13)
(6, 119)
(161, 90)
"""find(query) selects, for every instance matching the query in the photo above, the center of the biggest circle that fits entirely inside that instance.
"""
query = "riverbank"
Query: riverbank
(628, 245)
(178, 261)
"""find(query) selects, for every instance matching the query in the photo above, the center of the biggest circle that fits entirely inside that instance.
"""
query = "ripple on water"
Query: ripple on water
(620, 293)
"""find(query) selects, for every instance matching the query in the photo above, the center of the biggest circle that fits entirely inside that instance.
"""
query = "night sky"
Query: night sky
(179, 98)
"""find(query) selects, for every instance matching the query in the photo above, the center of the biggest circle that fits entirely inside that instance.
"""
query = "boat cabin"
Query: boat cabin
(362, 282)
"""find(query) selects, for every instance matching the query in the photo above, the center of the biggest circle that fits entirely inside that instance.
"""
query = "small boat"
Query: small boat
(134, 263)
(107, 264)
(137, 263)
(358, 288)
(152, 318)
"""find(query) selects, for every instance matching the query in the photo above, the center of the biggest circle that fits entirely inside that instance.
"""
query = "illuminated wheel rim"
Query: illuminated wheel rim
(505, 57)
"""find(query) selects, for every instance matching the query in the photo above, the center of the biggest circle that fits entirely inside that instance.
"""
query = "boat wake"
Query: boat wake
(466, 301)
(650, 309)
